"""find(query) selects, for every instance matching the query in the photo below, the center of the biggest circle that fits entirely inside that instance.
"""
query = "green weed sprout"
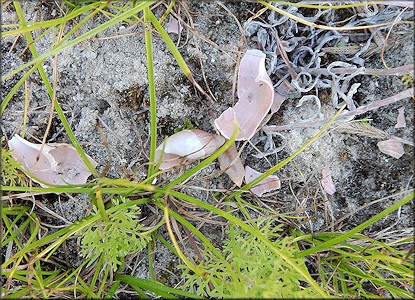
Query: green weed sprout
(186, 125)
(117, 238)
(261, 273)
(408, 79)
(10, 175)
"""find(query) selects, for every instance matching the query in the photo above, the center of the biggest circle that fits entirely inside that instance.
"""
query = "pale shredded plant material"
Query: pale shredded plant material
(305, 49)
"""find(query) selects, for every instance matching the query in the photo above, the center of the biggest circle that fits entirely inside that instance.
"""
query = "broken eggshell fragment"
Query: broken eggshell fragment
(327, 181)
(174, 26)
(58, 164)
(187, 144)
(256, 95)
(268, 184)
(231, 164)
(401, 122)
(277, 101)
(391, 147)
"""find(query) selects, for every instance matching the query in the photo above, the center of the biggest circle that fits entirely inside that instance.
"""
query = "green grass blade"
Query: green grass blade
(300, 269)
(13, 90)
(104, 281)
(151, 248)
(112, 290)
(84, 20)
(289, 159)
(320, 26)
(175, 52)
(166, 244)
(204, 240)
(81, 38)
(87, 289)
(10, 232)
(49, 23)
(170, 44)
(358, 228)
(38, 272)
(65, 189)
(152, 91)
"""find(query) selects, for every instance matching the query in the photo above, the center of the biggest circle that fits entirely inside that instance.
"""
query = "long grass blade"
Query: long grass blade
(301, 270)
(152, 91)
(81, 38)
(358, 228)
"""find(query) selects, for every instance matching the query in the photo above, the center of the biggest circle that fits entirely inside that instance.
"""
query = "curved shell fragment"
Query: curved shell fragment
(58, 164)
(187, 144)
(256, 95)
(391, 147)
(231, 164)
(327, 181)
(400, 121)
(269, 184)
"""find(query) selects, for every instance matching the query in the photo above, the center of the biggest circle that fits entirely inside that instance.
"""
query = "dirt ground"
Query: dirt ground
(104, 81)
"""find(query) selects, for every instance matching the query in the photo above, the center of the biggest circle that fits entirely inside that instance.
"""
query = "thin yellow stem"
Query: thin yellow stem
(311, 24)
(188, 263)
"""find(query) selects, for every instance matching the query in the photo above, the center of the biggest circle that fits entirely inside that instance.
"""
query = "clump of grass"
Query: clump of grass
(353, 265)
(365, 267)
(22, 275)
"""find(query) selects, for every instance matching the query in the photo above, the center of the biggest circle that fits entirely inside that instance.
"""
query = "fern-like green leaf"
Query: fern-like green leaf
(115, 239)
(10, 175)
(262, 273)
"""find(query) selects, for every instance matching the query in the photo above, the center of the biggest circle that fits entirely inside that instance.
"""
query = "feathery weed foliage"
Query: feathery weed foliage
(256, 271)
(10, 174)
(117, 238)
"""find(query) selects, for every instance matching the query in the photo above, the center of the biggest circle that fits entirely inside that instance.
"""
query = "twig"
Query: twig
(402, 70)
(52, 108)
(379, 103)
(345, 115)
